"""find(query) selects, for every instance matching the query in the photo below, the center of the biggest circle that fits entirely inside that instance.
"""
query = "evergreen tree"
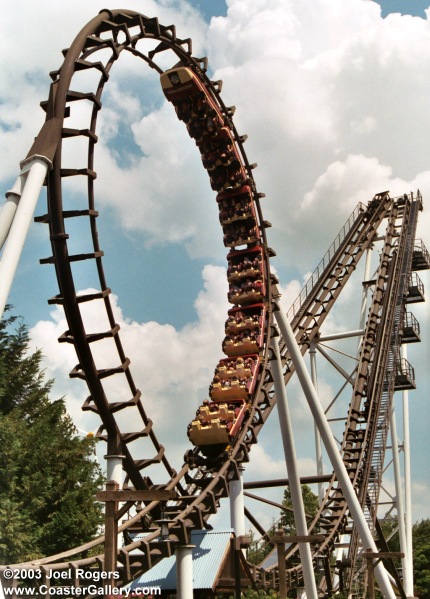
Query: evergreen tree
(421, 551)
(48, 476)
(310, 501)
(421, 544)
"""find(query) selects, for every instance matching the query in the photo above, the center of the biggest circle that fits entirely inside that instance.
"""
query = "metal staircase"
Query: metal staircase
(383, 372)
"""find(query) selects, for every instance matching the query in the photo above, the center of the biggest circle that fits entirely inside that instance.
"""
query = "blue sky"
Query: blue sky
(160, 264)
(335, 104)
(152, 264)
(405, 7)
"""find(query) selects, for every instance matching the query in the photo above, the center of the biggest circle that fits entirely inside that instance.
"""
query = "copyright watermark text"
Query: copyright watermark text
(35, 583)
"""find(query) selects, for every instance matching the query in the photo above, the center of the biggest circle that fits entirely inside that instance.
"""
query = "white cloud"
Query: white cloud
(321, 93)
(173, 368)
(335, 109)
(263, 464)
(158, 196)
(335, 103)
(45, 29)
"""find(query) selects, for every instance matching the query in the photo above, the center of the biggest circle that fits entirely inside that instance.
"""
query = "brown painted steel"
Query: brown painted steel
(284, 482)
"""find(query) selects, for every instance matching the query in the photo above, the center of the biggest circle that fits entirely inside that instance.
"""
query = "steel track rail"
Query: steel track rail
(364, 440)
(116, 31)
(313, 309)
(359, 235)
(198, 493)
(378, 396)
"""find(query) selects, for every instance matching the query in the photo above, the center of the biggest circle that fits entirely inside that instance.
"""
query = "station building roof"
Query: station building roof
(209, 554)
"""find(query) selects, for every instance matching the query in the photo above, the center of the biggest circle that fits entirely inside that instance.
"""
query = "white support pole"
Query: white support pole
(399, 490)
(344, 335)
(237, 521)
(358, 333)
(318, 448)
(184, 571)
(114, 468)
(237, 505)
(114, 472)
(409, 571)
(332, 451)
(292, 470)
(8, 211)
(35, 170)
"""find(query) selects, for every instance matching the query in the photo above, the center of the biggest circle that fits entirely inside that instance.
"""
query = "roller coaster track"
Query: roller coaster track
(201, 484)
(377, 376)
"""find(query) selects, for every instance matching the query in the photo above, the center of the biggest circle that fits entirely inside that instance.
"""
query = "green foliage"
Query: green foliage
(252, 594)
(260, 594)
(258, 549)
(48, 477)
(390, 530)
(311, 505)
(421, 544)
(421, 551)
(21, 380)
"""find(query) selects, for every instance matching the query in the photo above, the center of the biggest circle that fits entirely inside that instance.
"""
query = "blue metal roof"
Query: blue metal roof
(271, 558)
(208, 557)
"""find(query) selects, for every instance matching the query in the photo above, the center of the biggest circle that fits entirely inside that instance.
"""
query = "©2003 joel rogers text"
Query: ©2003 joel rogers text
(89, 588)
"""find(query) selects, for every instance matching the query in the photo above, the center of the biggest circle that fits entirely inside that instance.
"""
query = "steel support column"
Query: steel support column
(237, 505)
(318, 448)
(114, 473)
(8, 211)
(293, 474)
(332, 450)
(409, 569)
(399, 491)
(184, 571)
(34, 171)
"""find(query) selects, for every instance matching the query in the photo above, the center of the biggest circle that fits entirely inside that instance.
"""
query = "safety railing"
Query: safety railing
(405, 376)
(314, 278)
(415, 289)
(421, 256)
